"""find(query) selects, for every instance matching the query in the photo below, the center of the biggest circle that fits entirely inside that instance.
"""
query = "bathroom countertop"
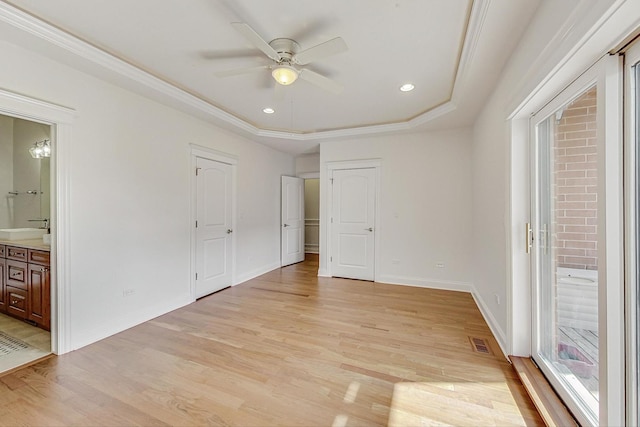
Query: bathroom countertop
(29, 244)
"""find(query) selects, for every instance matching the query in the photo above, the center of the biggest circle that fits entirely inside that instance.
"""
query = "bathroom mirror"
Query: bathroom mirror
(24, 180)
(45, 190)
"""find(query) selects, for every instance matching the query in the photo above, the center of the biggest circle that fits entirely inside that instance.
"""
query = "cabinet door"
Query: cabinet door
(39, 295)
(3, 295)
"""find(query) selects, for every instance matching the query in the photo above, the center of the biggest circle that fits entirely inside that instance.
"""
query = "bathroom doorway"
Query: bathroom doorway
(25, 241)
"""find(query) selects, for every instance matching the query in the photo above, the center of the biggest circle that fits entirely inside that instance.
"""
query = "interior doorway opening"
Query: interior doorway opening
(312, 216)
(25, 241)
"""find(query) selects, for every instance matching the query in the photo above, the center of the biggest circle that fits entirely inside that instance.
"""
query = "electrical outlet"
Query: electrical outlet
(440, 264)
(128, 292)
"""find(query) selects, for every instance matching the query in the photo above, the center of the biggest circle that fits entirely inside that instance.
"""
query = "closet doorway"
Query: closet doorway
(312, 215)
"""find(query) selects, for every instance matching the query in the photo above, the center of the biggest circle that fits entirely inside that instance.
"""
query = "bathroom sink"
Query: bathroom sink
(21, 233)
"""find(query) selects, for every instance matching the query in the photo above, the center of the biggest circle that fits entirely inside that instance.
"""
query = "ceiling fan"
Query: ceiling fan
(287, 57)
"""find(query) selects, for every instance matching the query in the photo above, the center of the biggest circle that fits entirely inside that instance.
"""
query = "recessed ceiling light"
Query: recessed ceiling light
(407, 87)
(268, 110)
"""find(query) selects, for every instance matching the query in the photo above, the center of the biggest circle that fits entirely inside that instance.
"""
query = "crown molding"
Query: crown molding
(477, 18)
(28, 23)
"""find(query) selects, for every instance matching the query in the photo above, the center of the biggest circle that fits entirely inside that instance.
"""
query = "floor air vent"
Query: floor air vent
(480, 345)
(9, 344)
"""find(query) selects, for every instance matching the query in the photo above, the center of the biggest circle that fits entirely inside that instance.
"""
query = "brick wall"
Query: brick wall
(575, 185)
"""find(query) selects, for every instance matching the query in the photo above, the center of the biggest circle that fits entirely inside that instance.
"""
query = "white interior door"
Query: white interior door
(213, 226)
(292, 224)
(352, 223)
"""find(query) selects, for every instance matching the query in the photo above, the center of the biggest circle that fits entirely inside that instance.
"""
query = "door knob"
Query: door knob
(229, 231)
(286, 225)
(368, 229)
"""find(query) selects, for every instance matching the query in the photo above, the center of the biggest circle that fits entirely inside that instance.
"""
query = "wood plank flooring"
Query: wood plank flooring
(286, 348)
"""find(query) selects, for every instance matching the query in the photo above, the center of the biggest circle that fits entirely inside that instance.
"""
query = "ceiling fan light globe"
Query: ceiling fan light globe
(285, 75)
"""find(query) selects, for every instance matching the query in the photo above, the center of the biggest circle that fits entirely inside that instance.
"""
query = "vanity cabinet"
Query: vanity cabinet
(3, 297)
(26, 284)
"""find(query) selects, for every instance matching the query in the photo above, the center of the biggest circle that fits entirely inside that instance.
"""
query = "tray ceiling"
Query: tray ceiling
(437, 45)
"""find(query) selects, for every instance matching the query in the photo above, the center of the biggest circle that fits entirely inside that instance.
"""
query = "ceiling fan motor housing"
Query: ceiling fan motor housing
(287, 48)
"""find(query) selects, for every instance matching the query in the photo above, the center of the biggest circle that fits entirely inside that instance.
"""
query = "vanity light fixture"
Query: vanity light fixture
(407, 87)
(41, 149)
(268, 110)
(285, 74)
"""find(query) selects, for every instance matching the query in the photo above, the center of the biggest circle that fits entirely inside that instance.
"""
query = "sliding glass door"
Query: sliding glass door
(577, 288)
(565, 247)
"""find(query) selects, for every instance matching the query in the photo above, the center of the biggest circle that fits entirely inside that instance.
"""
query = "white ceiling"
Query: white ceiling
(451, 50)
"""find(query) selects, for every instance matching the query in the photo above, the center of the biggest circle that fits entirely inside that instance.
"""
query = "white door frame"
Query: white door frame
(60, 119)
(196, 151)
(353, 164)
(631, 57)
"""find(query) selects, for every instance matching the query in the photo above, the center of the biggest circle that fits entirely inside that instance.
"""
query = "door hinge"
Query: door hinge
(196, 223)
(331, 220)
(197, 170)
(196, 276)
(331, 258)
(331, 181)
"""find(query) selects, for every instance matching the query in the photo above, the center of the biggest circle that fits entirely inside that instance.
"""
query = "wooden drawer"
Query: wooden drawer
(16, 274)
(17, 302)
(39, 257)
(2, 251)
(3, 295)
(19, 254)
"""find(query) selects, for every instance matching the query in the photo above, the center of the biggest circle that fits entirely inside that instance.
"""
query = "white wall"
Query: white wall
(425, 205)
(307, 163)
(129, 196)
(6, 172)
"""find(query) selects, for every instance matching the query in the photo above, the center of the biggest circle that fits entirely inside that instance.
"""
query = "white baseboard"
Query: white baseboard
(255, 273)
(312, 249)
(497, 331)
(116, 325)
(322, 272)
(446, 285)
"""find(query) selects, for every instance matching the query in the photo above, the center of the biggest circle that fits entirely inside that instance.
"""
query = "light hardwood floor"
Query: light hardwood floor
(287, 348)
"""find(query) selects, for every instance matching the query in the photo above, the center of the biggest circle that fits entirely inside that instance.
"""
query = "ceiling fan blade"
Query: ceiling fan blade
(238, 71)
(229, 54)
(256, 40)
(328, 48)
(321, 81)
